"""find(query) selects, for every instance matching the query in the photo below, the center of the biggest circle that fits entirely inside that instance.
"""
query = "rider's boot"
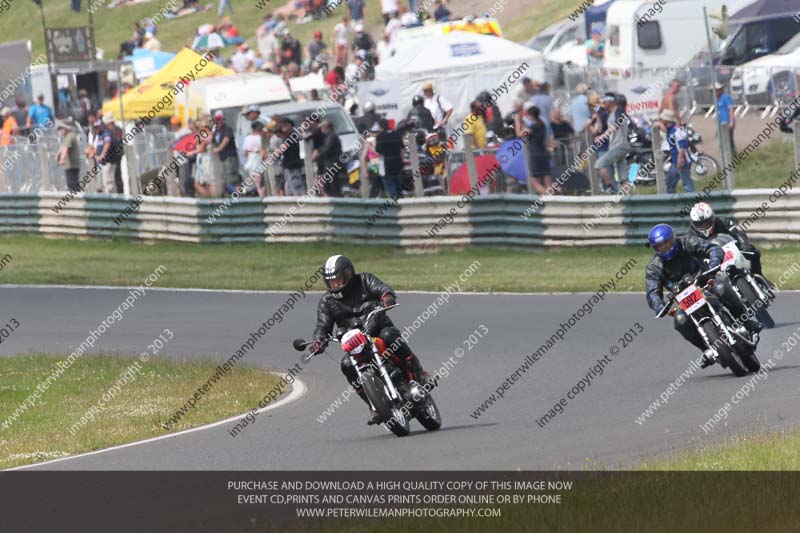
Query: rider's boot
(374, 417)
(420, 375)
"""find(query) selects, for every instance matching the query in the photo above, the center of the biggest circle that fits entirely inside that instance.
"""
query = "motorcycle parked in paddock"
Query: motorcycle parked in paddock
(754, 291)
(391, 389)
(702, 164)
(734, 346)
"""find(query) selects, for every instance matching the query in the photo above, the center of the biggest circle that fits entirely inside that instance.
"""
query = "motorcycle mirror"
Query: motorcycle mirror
(299, 344)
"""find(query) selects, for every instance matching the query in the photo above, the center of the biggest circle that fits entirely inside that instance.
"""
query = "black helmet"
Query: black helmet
(420, 136)
(484, 97)
(338, 272)
(416, 100)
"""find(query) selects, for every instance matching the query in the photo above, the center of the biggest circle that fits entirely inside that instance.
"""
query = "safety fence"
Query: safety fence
(499, 220)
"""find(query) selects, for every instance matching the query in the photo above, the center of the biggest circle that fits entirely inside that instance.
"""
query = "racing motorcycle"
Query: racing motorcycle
(391, 390)
(753, 290)
(702, 164)
(734, 347)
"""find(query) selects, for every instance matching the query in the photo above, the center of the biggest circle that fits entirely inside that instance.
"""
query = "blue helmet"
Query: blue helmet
(662, 240)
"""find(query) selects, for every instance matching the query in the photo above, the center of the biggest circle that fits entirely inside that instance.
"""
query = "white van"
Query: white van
(646, 34)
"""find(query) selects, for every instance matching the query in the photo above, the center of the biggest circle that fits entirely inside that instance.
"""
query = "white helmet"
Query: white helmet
(369, 106)
(702, 218)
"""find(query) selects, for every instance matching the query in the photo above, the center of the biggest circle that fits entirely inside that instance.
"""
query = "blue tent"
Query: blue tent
(767, 8)
(146, 63)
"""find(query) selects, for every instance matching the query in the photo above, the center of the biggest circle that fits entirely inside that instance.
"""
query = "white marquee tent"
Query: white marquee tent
(461, 65)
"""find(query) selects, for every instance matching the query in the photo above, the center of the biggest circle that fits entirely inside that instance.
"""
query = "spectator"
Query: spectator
(313, 95)
(476, 128)
(562, 130)
(372, 161)
(291, 51)
(388, 10)
(20, 114)
(151, 43)
(229, 32)
(527, 90)
(670, 99)
(537, 150)
(204, 185)
(10, 128)
(224, 144)
(544, 101)
(269, 46)
(185, 181)
(618, 147)
(389, 144)
(384, 47)
(253, 114)
(253, 147)
(724, 114)
(598, 128)
(330, 168)
(69, 153)
(365, 122)
(273, 156)
(595, 49)
(420, 114)
(408, 19)
(293, 175)
(681, 164)
(84, 108)
(117, 149)
(358, 11)
(355, 70)
(335, 79)
(439, 107)
(315, 47)
(393, 26)
(492, 115)
(579, 107)
(40, 115)
(441, 13)
(341, 41)
(243, 59)
(102, 150)
(362, 40)
(223, 4)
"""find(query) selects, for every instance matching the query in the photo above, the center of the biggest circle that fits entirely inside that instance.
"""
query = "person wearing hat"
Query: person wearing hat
(678, 152)
(10, 128)
(224, 146)
(315, 47)
(725, 114)
(69, 153)
(595, 49)
(253, 148)
(253, 113)
(40, 115)
(438, 105)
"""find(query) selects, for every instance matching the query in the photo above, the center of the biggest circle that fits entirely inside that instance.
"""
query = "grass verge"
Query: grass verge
(258, 266)
(141, 403)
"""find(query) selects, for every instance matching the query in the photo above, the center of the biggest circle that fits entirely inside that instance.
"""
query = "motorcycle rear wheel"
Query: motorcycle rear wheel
(729, 358)
(705, 166)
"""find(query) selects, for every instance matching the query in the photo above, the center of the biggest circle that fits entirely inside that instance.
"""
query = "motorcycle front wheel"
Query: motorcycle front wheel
(750, 296)
(394, 418)
(429, 415)
(728, 358)
(704, 167)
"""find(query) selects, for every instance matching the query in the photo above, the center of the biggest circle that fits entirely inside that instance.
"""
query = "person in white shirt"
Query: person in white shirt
(438, 105)
(384, 48)
(252, 149)
(393, 26)
(341, 40)
(151, 43)
(242, 59)
(388, 8)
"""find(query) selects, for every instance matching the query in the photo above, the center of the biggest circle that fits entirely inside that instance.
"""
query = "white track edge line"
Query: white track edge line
(298, 390)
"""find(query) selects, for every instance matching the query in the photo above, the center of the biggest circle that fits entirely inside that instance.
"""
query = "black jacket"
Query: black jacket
(363, 288)
(365, 122)
(330, 150)
(423, 115)
(688, 259)
(728, 227)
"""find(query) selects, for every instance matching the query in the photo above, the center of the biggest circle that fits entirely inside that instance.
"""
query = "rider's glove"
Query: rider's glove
(388, 300)
(318, 346)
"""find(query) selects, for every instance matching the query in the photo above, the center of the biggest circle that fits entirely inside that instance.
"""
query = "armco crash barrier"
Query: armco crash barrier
(493, 220)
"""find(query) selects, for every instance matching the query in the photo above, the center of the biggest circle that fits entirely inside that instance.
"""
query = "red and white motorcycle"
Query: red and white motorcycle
(392, 390)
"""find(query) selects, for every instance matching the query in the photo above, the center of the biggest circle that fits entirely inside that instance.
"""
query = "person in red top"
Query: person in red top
(335, 80)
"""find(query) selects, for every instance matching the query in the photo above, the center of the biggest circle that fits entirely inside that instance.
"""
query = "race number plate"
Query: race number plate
(690, 299)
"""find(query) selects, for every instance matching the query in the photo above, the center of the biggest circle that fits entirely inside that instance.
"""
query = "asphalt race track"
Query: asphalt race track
(598, 425)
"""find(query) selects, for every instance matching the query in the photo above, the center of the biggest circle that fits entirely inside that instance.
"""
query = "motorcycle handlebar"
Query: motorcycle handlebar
(672, 296)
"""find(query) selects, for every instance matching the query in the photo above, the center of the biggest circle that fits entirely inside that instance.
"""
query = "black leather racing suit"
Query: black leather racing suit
(661, 274)
(345, 311)
(728, 226)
